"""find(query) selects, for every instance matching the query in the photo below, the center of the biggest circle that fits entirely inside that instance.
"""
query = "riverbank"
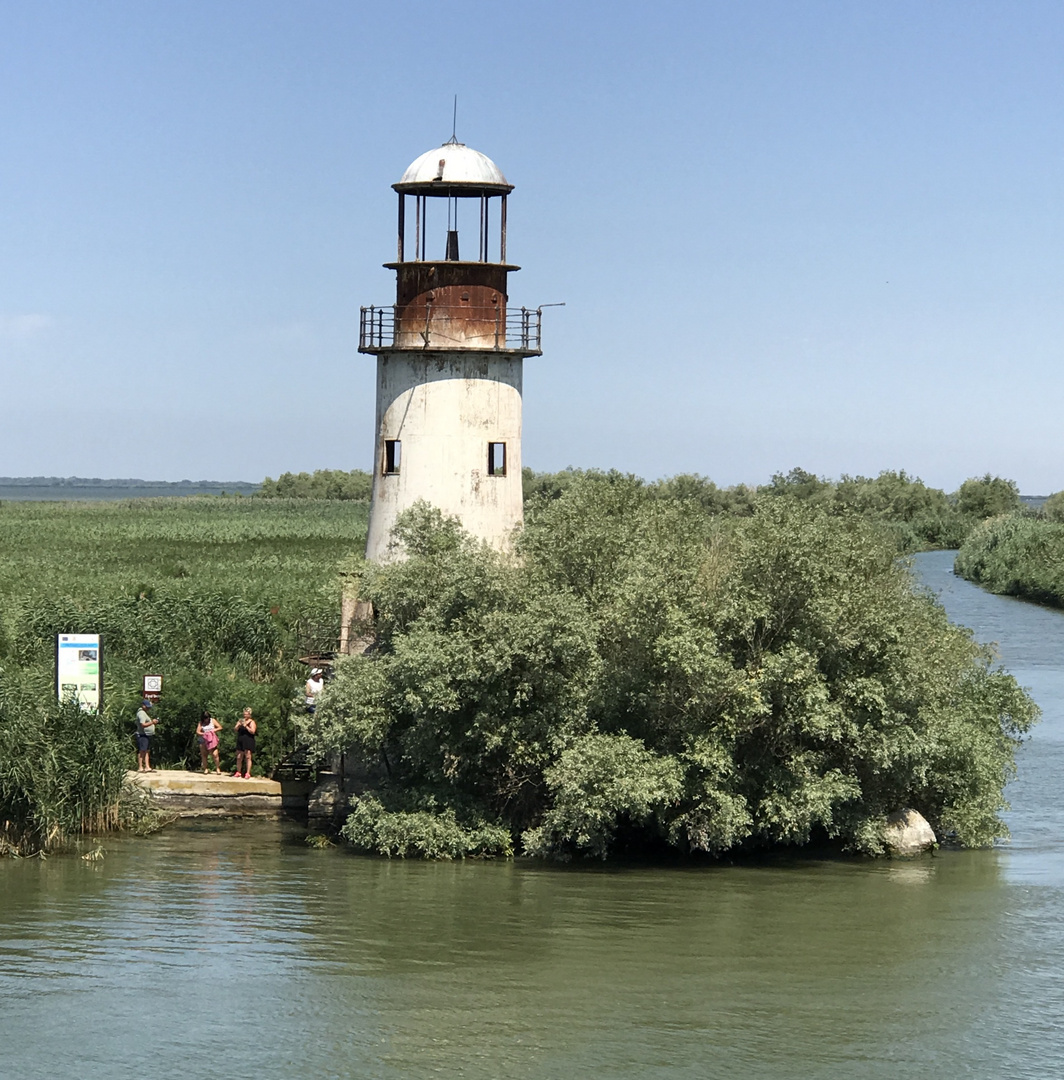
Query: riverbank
(1016, 555)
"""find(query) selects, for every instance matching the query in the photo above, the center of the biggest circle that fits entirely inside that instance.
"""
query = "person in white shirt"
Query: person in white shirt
(313, 688)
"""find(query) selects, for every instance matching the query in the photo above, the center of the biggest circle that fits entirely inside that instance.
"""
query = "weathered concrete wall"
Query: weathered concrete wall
(189, 794)
(445, 408)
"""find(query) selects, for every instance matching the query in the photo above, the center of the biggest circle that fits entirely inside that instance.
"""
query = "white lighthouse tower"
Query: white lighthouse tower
(449, 355)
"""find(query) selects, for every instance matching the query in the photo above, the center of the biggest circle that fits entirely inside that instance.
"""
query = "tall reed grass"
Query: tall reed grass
(62, 770)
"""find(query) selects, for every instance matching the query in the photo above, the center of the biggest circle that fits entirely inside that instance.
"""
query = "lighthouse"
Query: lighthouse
(450, 353)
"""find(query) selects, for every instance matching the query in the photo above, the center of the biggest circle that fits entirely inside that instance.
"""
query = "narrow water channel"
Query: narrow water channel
(233, 950)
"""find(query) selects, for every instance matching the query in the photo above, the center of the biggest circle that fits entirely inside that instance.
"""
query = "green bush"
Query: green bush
(1016, 555)
(696, 680)
(596, 782)
(430, 833)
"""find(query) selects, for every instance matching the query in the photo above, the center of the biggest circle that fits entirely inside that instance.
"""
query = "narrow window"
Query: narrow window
(393, 453)
(496, 459)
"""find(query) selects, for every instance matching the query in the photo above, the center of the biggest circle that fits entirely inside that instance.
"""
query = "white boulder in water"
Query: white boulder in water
(908, 833)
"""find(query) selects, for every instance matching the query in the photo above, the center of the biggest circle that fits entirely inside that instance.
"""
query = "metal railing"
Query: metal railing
(518, 330)
(376, 329)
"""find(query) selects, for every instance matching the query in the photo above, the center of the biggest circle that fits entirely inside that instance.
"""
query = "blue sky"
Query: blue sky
(824, 234)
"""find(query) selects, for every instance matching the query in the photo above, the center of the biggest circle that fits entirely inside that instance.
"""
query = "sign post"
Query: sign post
(153, 687)
(79, 670)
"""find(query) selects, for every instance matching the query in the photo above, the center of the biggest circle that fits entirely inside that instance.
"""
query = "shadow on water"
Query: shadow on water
(232, 947)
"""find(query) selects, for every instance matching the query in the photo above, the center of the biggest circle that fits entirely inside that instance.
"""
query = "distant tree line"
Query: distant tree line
(163, 487)
(916, 516)
(355, 485)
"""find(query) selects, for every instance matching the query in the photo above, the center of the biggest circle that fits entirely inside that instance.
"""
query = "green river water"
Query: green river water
(231, 949)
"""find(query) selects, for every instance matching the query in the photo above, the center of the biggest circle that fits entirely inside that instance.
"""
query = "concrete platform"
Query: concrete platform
(192, 793)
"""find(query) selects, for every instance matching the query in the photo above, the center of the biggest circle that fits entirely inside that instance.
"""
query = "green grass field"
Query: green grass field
(276, 551)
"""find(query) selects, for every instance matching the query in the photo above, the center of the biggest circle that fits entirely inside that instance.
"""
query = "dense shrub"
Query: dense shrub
(688, 679)
(424, 831)
(61, 769)
(1016, 555)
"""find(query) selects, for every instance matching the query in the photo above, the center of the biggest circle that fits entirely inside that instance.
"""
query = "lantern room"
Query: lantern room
(452, 200)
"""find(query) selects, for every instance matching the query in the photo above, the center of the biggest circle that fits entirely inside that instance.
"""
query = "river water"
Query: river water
(231, 949)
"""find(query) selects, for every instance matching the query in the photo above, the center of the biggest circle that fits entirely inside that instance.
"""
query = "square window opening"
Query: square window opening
(496, 459)
(393, 455)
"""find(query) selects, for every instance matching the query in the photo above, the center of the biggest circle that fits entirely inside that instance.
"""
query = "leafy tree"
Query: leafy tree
(672, 676)
(918, 517)
(692, 487)
(987, 496)
(546, 485)
(1053, 509)
(799, 484)
(893, 495)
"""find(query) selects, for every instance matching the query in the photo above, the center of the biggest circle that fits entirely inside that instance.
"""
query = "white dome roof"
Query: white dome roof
(453, 164)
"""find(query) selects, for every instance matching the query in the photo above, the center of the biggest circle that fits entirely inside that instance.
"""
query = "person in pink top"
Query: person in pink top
(207, 730)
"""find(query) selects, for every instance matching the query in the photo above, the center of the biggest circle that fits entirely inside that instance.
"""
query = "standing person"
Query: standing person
(313, 689)
(145, 731)
(207, 730)
(245, 743)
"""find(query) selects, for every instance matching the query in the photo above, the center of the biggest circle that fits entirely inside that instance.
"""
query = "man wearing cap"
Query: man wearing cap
(145, 731)
(313, 688)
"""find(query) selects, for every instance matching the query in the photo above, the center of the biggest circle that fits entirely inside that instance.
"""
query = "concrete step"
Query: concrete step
(210, 793)
(185, 782)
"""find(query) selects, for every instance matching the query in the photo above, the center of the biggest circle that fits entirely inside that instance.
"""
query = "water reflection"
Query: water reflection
(353, 967)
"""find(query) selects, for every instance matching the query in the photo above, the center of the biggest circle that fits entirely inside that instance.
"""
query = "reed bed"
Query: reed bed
(207, 591)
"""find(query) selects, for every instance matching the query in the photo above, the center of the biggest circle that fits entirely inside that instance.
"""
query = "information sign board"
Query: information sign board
(79, 670)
